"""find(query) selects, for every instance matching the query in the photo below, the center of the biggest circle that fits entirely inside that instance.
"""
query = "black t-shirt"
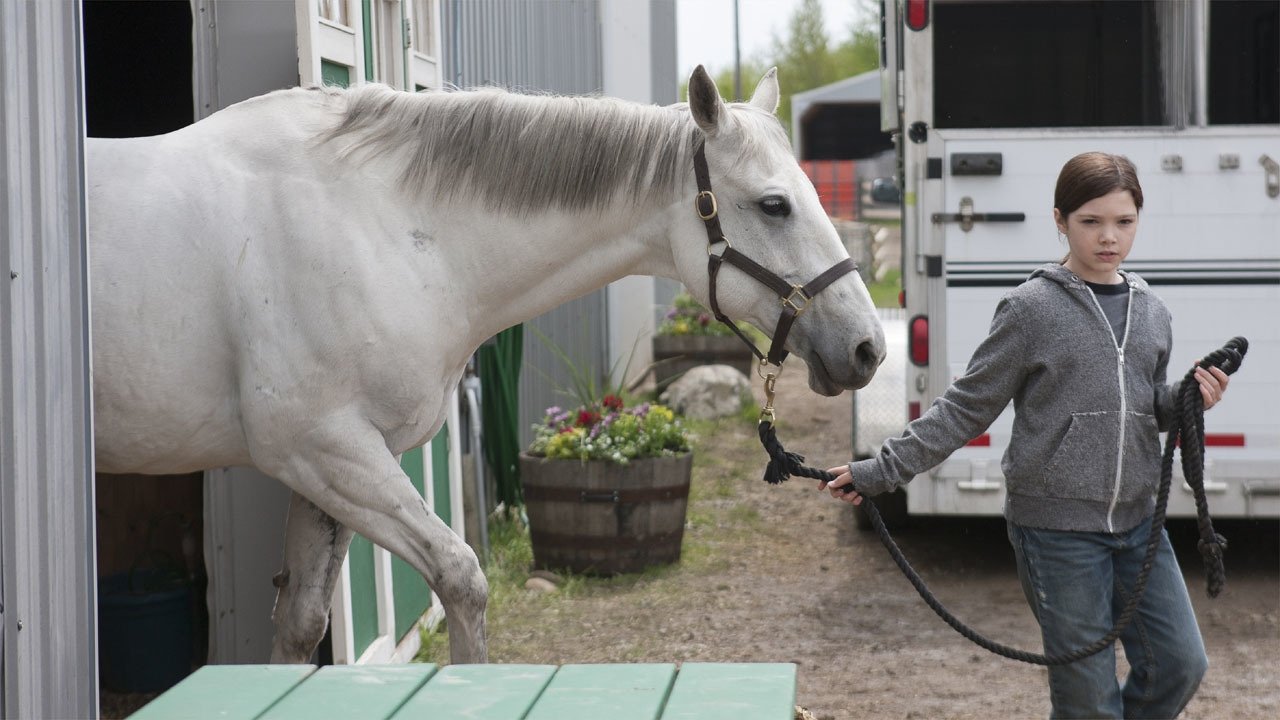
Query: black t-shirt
(1114, 300)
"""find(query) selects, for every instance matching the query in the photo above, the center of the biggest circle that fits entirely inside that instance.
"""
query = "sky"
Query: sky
(704, 29)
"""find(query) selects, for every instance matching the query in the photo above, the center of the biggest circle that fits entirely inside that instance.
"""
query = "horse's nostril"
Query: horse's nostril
(866, 357)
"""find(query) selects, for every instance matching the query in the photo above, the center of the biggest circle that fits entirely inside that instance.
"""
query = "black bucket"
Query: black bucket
(144, 631)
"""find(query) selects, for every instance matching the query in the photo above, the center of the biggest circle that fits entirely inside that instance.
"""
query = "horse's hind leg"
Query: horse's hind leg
(345, 468)
(314, 547)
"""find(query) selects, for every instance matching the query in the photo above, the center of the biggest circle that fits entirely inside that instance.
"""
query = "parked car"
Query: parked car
(885, 190)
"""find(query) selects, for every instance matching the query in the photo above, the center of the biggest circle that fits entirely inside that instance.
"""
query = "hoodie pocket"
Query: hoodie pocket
(1083, 467)
(1142, 454)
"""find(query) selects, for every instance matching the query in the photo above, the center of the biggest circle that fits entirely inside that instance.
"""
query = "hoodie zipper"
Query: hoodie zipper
(1124, 400)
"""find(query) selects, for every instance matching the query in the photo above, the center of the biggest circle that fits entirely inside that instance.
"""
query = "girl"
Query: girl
(1081, 348)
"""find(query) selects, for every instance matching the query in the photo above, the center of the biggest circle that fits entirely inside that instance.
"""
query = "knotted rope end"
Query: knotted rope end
(782, 464)
(1211, 553)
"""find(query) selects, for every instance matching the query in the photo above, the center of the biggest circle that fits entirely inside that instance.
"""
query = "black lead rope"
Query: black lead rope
(1187, 431)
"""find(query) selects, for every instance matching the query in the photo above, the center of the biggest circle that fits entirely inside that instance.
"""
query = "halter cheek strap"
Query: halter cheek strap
(795, 298)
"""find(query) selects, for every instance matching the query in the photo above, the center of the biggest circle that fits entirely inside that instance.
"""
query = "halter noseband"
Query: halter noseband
(795, 298)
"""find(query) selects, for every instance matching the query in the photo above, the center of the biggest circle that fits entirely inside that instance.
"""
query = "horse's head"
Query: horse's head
(770, 212)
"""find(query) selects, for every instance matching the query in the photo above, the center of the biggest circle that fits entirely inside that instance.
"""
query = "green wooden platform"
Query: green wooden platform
(639, 691)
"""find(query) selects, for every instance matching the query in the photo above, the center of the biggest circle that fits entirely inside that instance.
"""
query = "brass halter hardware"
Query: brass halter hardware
(706, 196)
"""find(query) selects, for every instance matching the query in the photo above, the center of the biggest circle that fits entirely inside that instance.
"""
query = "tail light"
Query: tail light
(917, 14)
(918, 340)
(913, 410)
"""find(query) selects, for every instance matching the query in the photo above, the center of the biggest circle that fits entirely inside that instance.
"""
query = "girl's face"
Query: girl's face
(1099, 236)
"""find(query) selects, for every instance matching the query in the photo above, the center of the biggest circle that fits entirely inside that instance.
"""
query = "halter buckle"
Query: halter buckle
(790, 300)
(697, 204)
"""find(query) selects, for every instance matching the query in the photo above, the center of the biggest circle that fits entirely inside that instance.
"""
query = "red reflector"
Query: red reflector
(918, 340)
(913, 411)
(983, 440)
(917, 14)
(1224, 439)
(902, 298)
(1218, 440)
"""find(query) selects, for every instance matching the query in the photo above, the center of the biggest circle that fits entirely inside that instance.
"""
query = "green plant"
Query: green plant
(688, 317)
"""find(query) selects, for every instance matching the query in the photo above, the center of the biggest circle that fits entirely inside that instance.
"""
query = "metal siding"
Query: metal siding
(662, 52)
(542, 45)
(257, 49)
(49, 668)
(546, 45)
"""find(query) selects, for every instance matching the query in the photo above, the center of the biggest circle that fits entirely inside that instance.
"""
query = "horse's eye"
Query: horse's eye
(774, 205)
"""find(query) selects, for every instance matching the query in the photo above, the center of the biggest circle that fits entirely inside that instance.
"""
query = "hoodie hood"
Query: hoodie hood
(1059, 273)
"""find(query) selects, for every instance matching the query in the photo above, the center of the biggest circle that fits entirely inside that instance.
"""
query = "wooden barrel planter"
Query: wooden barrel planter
(673, 355)
(601, 518)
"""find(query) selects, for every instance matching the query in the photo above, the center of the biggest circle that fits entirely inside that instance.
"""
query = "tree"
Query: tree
(806, 58)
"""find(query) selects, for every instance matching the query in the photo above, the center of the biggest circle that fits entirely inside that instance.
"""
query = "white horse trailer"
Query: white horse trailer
(989, 99)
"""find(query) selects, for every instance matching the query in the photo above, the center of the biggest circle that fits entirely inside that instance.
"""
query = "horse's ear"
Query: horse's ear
(704, 101)
(766, 94)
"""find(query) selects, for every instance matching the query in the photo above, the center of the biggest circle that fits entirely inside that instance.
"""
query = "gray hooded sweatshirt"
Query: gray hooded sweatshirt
(1085, 449)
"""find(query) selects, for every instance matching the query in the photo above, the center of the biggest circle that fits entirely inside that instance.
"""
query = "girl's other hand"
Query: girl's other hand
(843, 481)
(1213, 383)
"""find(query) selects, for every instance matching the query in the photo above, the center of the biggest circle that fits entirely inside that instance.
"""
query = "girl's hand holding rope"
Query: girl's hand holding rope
(1213, 385)
(836, 487)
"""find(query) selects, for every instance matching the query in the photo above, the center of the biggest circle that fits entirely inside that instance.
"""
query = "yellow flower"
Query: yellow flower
(565, 444)
(661, 413)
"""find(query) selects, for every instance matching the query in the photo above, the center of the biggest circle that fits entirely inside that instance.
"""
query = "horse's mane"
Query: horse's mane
(520, 153)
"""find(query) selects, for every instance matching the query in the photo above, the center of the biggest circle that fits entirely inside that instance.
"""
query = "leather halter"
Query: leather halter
(795, 298)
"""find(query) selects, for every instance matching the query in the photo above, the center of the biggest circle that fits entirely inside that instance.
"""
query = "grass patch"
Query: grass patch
(885, 292)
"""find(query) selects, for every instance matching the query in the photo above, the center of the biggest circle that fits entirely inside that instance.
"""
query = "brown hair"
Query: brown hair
(1091, 175)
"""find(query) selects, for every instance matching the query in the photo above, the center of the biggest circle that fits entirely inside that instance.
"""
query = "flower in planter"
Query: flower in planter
(609, 430)
(687, 317)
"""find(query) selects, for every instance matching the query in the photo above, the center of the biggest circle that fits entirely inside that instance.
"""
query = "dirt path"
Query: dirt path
(781, 574)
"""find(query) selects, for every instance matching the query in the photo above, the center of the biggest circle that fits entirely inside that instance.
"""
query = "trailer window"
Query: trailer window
(1054, 63)
(1244, 62)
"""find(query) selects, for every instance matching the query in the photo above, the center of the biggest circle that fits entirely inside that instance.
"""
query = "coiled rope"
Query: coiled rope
(1186, 432)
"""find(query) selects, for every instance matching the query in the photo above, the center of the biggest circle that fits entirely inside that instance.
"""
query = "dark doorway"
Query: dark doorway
(137, 67)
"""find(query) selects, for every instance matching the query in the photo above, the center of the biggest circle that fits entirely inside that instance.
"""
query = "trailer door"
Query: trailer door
(1208, 243)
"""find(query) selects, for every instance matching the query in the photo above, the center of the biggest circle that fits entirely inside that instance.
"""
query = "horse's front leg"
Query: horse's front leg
(314, 547)
(343, 466)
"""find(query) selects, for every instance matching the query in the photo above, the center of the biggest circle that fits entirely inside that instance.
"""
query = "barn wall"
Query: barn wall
(48, 633)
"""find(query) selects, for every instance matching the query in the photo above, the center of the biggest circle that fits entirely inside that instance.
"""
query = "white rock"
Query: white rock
(707, 392)
(540, 585)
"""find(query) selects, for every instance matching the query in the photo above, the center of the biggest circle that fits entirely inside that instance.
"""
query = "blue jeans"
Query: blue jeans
(1076, 584)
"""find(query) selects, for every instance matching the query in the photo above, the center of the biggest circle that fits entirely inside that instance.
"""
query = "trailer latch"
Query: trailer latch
(967, 217)
(1272, 171)
(977, 163)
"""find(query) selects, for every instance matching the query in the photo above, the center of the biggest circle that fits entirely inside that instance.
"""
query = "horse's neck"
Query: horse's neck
(533, 264)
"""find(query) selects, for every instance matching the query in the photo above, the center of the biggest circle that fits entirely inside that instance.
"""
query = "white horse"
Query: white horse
(296, 283)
